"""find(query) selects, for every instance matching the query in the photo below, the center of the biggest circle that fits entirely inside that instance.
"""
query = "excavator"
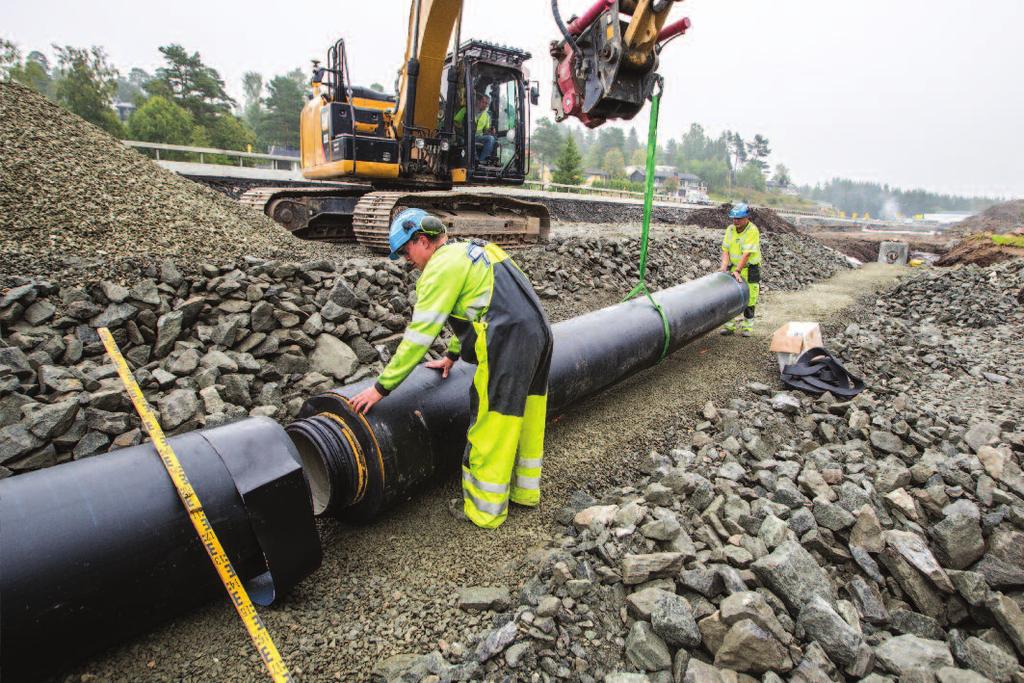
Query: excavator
(460, 119)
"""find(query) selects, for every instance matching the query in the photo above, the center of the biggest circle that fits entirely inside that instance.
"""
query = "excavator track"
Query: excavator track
(313, 213)
(504, 220)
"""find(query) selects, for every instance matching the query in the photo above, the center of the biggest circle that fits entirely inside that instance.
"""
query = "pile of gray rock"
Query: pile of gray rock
(792, 537)
(968, 296)
(219, 341)
(251, 337)
(568, 264)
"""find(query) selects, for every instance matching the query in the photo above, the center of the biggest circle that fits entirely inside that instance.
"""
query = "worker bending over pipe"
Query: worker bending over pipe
(500, 327)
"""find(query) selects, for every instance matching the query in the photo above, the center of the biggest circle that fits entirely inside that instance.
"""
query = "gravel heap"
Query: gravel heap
(766, 220)
(73, 198)
(791, 537)
(256, 337)
(590, 210)
(997, 219)
(970, 296)
(570, 264)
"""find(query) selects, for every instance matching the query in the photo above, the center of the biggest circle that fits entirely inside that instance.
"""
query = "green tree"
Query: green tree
(781, 175)
(568, 168)
(670, 185)
(714, 172)
(131, 88)
(160, 120)
(737, 149)
(758, 151)
(614, 164)
(252, 86)
(632, 144)
(279, 123)
(191, 84)
(10, 57)
(639, 157)
(34, 74)
(751, 176)
(547, 141)
(230, 132)
(86, 86)
(377, 86)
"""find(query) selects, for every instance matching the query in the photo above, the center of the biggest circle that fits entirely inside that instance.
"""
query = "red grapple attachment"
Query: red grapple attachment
(606, 65)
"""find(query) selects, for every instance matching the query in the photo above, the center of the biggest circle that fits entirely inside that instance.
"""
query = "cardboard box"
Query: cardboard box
(792, 339)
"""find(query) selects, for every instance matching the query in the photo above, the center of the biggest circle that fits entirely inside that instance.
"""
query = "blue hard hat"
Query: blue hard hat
(408, 223)
(741, 210)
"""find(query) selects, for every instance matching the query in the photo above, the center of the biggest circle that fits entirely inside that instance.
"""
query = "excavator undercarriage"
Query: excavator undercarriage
(357, 213)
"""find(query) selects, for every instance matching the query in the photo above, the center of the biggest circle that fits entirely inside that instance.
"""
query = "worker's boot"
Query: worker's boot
(728, 328)
(747, 327)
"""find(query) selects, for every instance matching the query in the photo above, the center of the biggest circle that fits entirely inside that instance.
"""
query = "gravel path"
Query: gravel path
(391, 587)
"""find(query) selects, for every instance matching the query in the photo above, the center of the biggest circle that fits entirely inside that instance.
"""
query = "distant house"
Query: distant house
(592, 175)
(687, 181)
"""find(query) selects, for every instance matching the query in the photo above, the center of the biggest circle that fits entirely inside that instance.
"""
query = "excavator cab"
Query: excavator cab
(489, 120)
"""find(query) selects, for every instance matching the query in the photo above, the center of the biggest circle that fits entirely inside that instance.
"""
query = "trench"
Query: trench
(391, 586)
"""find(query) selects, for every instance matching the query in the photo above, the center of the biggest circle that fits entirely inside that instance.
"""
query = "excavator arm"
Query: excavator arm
(605, 66)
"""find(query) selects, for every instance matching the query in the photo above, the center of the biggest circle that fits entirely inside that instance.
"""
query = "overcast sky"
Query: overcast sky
(909, 92)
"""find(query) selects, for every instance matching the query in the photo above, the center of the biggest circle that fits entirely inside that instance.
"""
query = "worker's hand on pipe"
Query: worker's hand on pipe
(739, 278)
(443, 364)
(365, 399)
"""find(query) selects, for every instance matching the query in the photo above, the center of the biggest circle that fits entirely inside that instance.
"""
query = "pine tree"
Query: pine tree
(567, 167)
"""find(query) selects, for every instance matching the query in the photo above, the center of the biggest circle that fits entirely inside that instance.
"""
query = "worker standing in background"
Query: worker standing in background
(501, 328)
(741, 255)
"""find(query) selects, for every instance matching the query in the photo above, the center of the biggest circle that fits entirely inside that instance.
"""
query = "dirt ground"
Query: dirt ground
(391, 586)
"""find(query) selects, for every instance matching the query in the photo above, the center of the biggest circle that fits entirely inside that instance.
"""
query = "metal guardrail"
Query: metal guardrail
(201, 152)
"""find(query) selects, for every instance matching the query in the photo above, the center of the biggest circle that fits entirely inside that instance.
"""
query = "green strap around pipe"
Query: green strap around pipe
(652, 150)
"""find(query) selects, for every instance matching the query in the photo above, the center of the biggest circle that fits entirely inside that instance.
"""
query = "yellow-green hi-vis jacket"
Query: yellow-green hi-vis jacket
(500, 327)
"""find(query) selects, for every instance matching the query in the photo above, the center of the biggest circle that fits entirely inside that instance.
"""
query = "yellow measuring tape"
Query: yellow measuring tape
(239, 598)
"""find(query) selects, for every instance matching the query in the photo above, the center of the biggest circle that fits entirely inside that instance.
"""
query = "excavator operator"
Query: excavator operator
(484, 129)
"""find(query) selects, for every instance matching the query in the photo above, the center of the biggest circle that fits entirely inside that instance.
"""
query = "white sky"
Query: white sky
(909, 92)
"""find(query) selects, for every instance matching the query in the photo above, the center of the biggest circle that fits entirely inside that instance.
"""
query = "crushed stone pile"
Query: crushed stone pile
(765, 219)
(1001, 218)
(970, 296)
(253, 336)
(73, 198)
(590, 210)
(789, 537)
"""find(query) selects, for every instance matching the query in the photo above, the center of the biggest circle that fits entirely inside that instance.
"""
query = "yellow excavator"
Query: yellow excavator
(460, 118)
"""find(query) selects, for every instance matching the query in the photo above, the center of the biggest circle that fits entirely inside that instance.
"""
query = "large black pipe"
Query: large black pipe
(96, 550)
(360, 466)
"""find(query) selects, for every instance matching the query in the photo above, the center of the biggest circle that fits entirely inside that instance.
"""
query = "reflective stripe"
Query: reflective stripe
(529, 463)
(474, 307)
(419, 338)
(483, 506)
(483, 485)
(532, 483)
(429, 317)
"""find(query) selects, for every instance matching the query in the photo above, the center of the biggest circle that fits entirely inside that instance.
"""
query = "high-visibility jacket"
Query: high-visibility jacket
(451, 284)
(483, 120)
(737, 243)
(501, 328)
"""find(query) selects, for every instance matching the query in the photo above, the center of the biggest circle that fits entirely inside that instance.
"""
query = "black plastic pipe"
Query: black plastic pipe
(358, 466)
(97, 550)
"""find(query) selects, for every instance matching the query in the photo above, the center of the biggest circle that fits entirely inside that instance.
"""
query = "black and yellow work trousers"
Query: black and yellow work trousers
(508, 405)
(751, 274)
